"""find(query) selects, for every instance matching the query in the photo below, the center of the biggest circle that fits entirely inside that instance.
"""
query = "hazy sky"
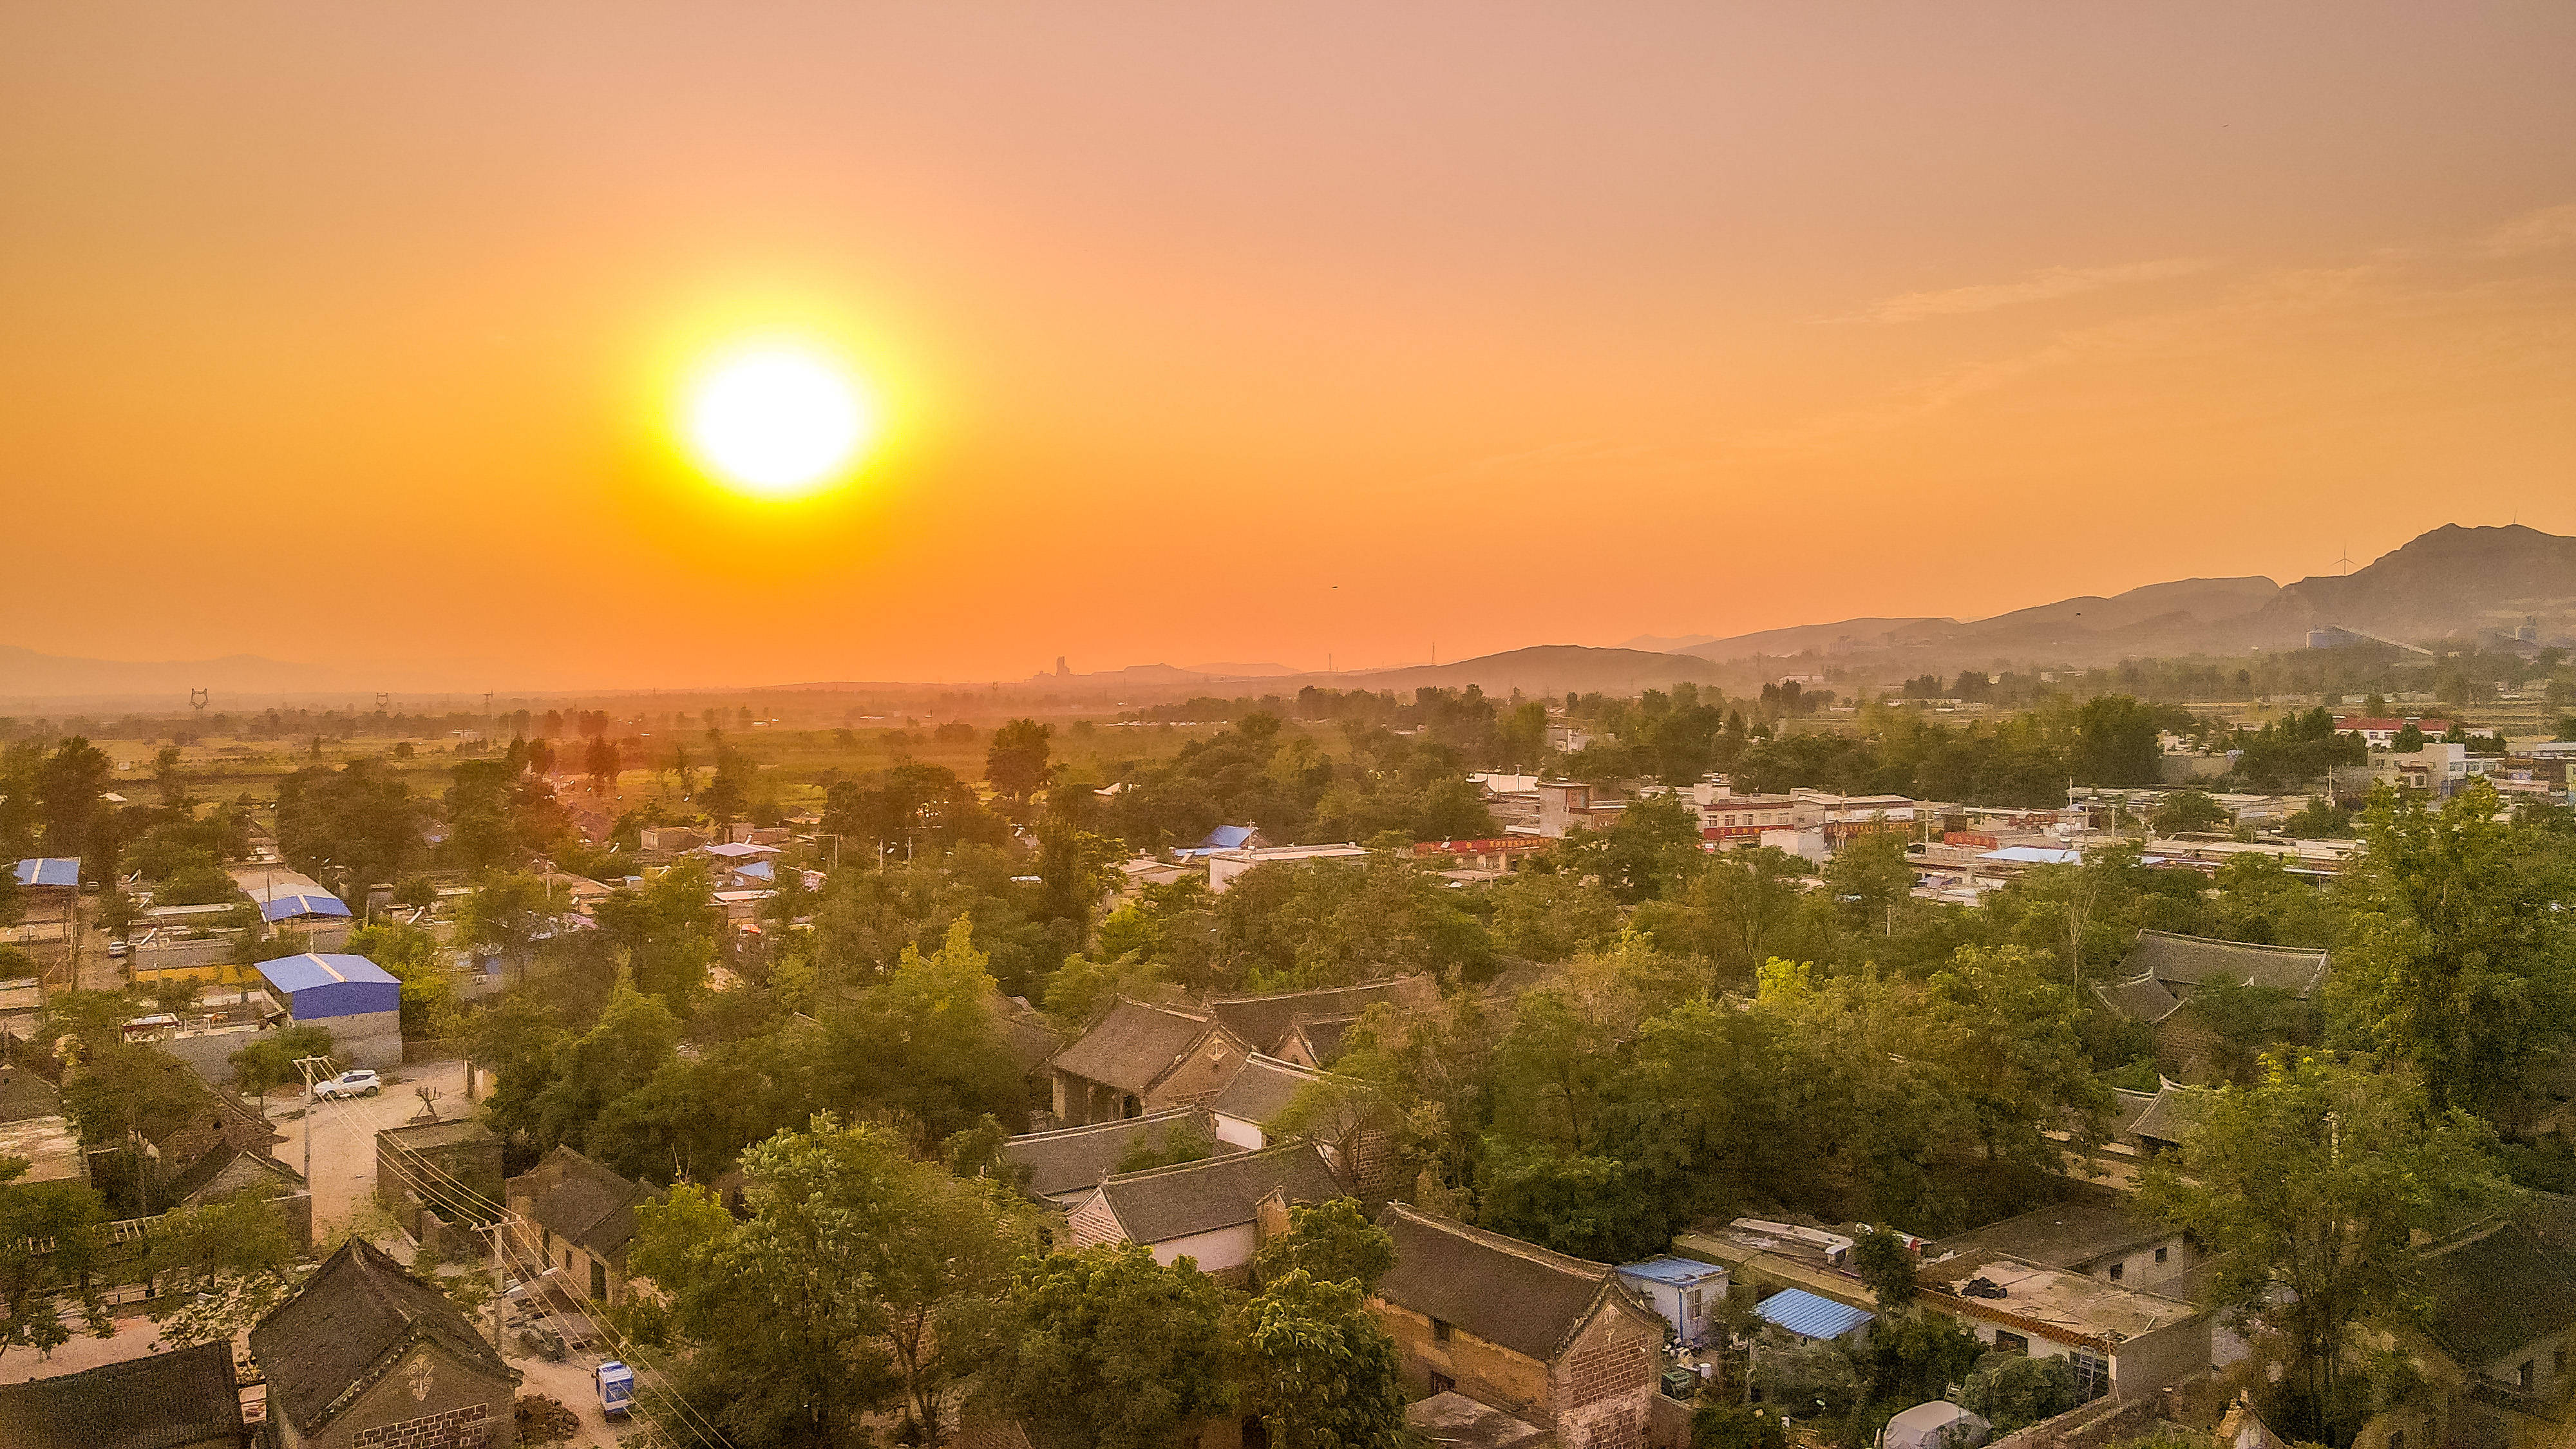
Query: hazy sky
(349, 332)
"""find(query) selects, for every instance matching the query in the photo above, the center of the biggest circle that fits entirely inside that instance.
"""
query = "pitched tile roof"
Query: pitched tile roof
(1163, 1203)
(2193, 960)
(1322, 1035)
(347, 1326)
(2140, 998)
(1262, 1088)
(1073, 1159)
(1025, 1034)
(582, 1201)
(1264, 1020)
(1134, 1046)
(161, 1401)
(2495, 1290)
(2172, 1114)
(1500, 1289)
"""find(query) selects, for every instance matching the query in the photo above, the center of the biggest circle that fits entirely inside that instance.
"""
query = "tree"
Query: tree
(2189, 810)
(1807, 1381)
(857, 1279)
(1733, 1426)
(220, 1266)
(48, 1249)
(2014, 1391)
(1318, 1369)
(1110, 1348)
(507, 915)
(268, 1062)
(1330, 1242)
(2115, 742)
(923, 1043)
(1015, 763)
(2460, 961)
(352, 826)
(1886, 1265)
(2313, 1181)
(413, 956)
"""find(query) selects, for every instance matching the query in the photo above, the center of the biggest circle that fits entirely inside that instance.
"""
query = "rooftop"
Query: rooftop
(2495, 1290)
(301, 973)
(49, 870)
(1262, 1088)
(357, 1312)
(2195, 960)
(1134, 1046)
(2066, 1306)
(1163, 1203)
(1681, 1272)
(1074, 1159)
(1505, 1291)
(581, 1200)
(1811, 1315)
(1264, 1021)
(1451, 1420)
(2063, 1235)
(161, 1401)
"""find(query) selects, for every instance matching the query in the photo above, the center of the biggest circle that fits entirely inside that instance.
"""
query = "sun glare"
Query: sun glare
(777, 421)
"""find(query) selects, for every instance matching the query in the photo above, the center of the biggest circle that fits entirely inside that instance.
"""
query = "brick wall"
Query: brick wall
(468, 1426)
(1604, 1382)
(1486, 1372)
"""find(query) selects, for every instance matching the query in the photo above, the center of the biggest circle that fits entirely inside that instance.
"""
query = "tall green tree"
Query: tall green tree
(1318, 1369)
(1331, 1242)
(2313, 1182)
(507, 914)
(1015, 763)
(2460, 962)
(1107, 1347)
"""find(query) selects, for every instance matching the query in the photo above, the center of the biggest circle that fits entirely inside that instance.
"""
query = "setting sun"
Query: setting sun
(777, 420)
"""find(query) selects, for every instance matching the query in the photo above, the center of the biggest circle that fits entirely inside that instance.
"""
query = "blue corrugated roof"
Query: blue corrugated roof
(302, 973)
(757, 870)
(288, 907)
(1226, 837)
(49, 870)
(1682, 1271)
(1810, 1316)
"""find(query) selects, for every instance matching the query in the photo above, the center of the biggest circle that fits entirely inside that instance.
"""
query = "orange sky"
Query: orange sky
(345, 333)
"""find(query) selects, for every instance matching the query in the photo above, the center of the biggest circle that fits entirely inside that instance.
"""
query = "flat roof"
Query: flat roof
(1668, 1269)
(49, 870)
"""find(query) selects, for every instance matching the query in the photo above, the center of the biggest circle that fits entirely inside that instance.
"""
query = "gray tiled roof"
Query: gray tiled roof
(161, 1401)
(581, 1201)
(2193, 960)
(1163, 1203)
(358, 1312)
(1500, 1289)
(2171, 1114)
(1132, 1047)
(2495, 1291)
(2141, 998)
(1262, 1088)
(1263, 1021)
(2062, 1235)
(1074, 1159)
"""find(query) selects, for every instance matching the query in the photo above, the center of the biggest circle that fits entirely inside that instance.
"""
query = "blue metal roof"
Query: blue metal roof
(302, 973)
(1680, 1271)
(50, 870)
(286, 907)
(1226, 837)
(1810, 1316)
(757, 870)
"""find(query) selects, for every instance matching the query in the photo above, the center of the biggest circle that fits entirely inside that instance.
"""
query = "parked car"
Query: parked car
(356, 1082)
(118, 949)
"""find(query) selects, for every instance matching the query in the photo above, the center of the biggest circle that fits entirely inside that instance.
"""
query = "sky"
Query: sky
(353, 334)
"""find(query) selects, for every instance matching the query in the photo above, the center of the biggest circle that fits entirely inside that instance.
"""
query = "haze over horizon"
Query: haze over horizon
(353, 335)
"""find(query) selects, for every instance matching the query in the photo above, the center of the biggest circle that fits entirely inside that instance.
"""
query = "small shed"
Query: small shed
(1683, 1290)
(1812, 1317)
(356, 999)
(1939, 1424)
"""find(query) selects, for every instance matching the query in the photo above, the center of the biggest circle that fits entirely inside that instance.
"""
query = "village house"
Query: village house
(356, 1000)
(577, 1218)
(365, 1356)
(1140, 1058)
(438, 1177)
(1270, 1022)
(2163, 971)
(2495, 1342)
(1216, 1210)
(187, 1398)
(2119, 1340)
(1556, 1342)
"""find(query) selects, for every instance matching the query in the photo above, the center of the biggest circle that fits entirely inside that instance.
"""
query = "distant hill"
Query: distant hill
(2450, 583)
(26, 675)
(1540, 669)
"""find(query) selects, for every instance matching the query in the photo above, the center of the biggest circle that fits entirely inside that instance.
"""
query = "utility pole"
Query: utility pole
(307, 1066)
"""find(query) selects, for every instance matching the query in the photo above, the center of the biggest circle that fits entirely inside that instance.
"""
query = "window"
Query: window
(598, 1279)
(1441, 1383)
(2160, 1255)
(2117, 1271)
(2006, 1342)
(1440, 1330)
(2522, 1375)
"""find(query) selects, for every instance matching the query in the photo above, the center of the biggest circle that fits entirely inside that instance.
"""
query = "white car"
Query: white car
(359, 1082)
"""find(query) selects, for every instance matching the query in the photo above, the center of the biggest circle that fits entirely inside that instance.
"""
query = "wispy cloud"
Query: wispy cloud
(2544, 230)
(2042, 286)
